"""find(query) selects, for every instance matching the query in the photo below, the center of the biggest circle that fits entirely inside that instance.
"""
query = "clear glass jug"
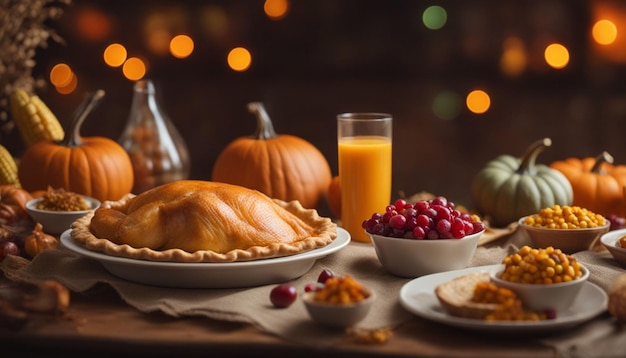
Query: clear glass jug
(156, 148)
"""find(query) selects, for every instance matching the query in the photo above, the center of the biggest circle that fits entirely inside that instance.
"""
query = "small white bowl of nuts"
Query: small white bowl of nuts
(57, 209)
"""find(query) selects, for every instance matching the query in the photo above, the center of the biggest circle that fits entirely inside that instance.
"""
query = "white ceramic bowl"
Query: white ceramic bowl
(338, 315)
(56, 222)
(413, 258)
(610, 240)
(568, 240)
(542, 297)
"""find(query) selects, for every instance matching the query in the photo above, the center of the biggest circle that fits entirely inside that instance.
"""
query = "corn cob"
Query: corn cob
(8, 169)
(34, 120)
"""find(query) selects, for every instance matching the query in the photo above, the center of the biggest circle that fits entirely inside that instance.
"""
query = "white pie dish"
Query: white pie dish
(210, 275)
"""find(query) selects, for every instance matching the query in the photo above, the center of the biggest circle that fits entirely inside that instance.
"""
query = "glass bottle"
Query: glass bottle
(156, 148)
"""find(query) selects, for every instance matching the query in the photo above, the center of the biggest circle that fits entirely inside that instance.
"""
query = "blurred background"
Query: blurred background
(465, 81)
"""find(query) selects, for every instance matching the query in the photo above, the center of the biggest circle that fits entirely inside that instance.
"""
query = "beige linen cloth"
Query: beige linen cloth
(599, 338)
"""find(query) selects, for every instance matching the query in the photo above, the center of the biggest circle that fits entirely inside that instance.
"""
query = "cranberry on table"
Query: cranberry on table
(8, 248)
(283, 295)
(325, 275)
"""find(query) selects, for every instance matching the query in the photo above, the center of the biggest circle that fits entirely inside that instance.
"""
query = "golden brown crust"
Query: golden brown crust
(455, 296)
(201, 221)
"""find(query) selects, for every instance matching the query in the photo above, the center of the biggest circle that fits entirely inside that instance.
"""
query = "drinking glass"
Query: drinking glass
(364, 148)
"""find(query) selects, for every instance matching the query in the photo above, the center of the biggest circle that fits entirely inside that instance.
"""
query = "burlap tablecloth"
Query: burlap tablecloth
(601, 338)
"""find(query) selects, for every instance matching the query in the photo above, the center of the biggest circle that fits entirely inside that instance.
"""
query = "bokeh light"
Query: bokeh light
(514, 57)
(61, 75)
(434, 17)
(215, 23)
(134, 69)
(181, 46)
(239, 59)
(69, 87)
(63, 78)
(556, 56)
(276, 9)
(478, 101)
(158, 41)
(604, 32)
(447, 105)
(114, 55)
(93, 24)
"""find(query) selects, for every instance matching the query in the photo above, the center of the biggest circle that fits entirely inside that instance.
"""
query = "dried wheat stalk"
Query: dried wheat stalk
(22, 32)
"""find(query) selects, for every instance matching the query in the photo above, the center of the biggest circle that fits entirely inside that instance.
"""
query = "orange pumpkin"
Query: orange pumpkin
(597, 184)
(94, 166)
(333, 197)
(284, 167)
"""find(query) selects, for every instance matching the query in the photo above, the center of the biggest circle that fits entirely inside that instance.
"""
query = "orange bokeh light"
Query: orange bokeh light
(239, 59)
(181, 46)
(134, 69)
(93, 24)
(276, 9)
(115, 55)
(61, 75)
(556, 56)
(478, 101)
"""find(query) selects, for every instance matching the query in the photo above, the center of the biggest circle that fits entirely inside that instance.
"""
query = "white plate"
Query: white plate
(418, 297)
(211, 275)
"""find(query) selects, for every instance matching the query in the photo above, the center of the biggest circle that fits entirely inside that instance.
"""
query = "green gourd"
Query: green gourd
(508, 188)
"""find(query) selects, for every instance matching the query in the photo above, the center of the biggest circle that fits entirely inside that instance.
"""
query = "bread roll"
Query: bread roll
(455, 296)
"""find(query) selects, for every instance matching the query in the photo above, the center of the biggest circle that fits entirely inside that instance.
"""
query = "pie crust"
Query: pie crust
(314, 230)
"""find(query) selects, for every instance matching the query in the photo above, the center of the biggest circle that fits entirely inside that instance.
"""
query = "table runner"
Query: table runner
(252, 305)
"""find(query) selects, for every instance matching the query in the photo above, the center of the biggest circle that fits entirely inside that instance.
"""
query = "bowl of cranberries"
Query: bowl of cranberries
(428, 236)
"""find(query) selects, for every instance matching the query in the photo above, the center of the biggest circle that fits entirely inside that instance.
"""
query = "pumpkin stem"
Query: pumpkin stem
(604, 157)
(88, 104)
(529, 158)
(265, 129)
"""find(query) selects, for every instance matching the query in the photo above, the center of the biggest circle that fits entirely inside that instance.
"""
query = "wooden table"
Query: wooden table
(98, 321)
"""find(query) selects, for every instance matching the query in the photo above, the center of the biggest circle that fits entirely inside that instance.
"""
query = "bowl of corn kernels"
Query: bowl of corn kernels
(341, 302)
(615, 242)
(57, 209)
(545, 279)
(569, 228)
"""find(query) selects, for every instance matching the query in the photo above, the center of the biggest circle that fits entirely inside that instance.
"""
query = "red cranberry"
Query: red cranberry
(8, 248)
(283, 295)
(325, 275)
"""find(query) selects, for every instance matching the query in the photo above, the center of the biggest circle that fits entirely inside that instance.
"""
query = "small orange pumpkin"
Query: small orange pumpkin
(597, 184)
(39, 241)
(283, 166)
(94, 166)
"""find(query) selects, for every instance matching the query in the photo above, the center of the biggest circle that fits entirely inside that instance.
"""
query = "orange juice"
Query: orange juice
(365, 180)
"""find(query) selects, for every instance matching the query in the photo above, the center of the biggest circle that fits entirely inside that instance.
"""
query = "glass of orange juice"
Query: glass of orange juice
(364, 147)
